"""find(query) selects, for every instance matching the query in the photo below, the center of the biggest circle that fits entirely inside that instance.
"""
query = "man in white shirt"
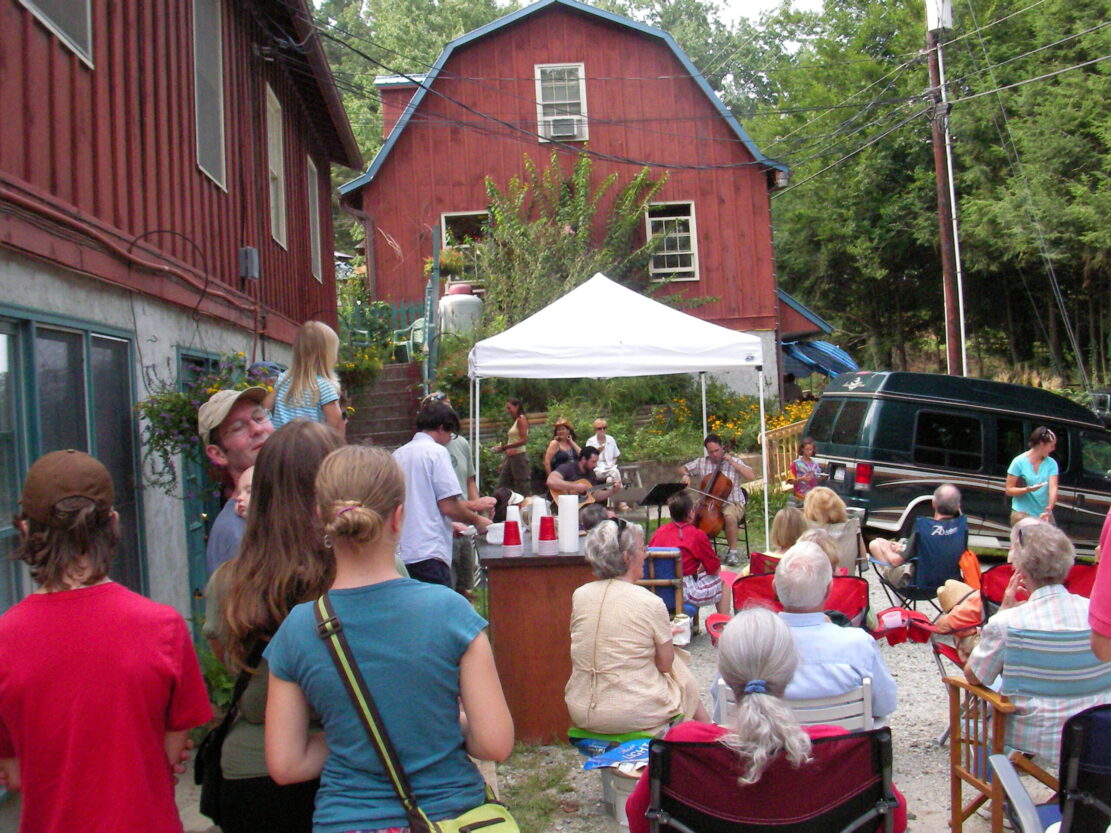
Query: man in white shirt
(432, 497)
(832, 660)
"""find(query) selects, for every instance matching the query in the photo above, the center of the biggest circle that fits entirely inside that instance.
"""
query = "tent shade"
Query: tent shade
(628, 334)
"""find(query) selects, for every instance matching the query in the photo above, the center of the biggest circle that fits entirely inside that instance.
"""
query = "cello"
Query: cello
(714, 489)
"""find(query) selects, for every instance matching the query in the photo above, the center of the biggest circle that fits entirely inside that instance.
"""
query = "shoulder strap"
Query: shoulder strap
(241, 683)
(330, 629)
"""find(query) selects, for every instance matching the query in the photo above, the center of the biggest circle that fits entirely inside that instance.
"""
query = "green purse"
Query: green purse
(491, 817)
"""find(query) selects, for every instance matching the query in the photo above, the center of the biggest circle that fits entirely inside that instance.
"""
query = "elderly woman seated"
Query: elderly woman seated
(625, 675)
(757, 659)
(1042, 560)
(824, 508)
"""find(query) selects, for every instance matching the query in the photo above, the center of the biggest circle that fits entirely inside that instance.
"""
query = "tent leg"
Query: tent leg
(702, 380)
(475, 435)
(763, 450)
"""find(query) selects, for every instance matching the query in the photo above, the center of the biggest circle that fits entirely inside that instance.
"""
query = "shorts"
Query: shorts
(735, 511)
(430, 571)
(703, 589)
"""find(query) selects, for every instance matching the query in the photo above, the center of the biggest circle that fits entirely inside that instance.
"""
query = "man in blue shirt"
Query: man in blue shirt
(832, 660)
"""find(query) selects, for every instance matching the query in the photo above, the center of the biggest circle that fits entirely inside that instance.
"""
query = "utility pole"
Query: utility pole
(939, 18)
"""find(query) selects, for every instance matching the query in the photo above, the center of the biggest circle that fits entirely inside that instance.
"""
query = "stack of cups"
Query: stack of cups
(513, 513)
(548, 543)
(537, 510)
(511, 543)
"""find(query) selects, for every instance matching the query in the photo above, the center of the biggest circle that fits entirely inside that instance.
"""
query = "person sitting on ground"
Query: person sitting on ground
(625, 673)
(757, 659)
(833, 660)
(578, 478)
(99, 687)
(1042, 560)
(823, 507)
(737, 471)
(563, 448)
(702, 583)
(947, 505)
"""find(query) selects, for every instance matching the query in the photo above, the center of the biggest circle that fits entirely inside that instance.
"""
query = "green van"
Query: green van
(889, 439)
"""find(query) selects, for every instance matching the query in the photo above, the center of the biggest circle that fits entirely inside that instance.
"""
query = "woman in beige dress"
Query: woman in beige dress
(625, 673)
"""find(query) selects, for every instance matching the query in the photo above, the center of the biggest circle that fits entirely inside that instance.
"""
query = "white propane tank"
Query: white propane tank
(460, 310)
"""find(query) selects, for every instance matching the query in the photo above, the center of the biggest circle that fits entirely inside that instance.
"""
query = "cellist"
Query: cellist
(732, 504)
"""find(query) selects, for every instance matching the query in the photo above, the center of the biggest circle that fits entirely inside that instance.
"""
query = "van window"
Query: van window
(821, 423)
(1010, 440)
(1095, 451)
(849, 422)
(948, 440)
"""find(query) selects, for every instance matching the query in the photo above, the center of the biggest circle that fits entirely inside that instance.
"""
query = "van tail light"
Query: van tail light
(863, 479)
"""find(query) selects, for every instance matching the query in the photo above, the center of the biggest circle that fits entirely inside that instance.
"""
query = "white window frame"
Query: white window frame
(649, 221)
(199, 67)
(84, 52)
(312, 188)
(444, 221)
(544, 123)
(275, 167)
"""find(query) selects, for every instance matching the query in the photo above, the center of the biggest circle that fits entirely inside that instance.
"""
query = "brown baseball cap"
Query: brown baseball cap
(62, 474)
(217, 408)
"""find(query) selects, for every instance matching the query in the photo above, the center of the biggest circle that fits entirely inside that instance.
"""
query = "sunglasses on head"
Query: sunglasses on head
(621, 524)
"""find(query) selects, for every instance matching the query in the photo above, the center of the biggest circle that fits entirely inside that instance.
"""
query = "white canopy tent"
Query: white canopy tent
(637, 336)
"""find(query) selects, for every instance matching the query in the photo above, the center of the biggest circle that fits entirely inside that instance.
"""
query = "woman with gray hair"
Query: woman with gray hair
(1042, 558)
(625, 672)
(756, 658)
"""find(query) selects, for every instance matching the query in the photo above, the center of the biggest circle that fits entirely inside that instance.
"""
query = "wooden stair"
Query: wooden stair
(384, 411)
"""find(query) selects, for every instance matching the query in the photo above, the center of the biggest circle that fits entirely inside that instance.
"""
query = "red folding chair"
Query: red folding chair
(760, 563)
(847, 595)
(1081, 579)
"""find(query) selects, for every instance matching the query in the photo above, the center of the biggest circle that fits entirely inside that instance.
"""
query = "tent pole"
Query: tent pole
(702, 379)
(764, 449)
(475, 433)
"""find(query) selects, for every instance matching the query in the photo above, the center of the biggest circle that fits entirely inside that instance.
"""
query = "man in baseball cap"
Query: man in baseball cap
(233, 425)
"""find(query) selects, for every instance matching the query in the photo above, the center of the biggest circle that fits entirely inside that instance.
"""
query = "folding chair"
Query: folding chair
(760, 563)
(935, 550)
(1037, 664)
(1084, 795)
(851, 710)
(663, 575)
(847, 595)
(845, 786)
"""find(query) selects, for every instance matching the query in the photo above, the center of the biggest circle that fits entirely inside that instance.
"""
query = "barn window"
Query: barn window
(312, 186)
(561, 102)
(208, 87)
(677, 255)
(275, 163)
(458, 229)
(70, 20)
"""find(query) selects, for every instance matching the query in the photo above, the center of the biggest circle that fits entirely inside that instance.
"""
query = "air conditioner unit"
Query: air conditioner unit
(563, 128)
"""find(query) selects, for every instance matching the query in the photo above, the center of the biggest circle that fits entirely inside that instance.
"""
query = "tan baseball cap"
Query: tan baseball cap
(62, 474)
(217, 408)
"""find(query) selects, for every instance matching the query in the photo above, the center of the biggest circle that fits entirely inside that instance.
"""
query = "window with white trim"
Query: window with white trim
(459, 228)
(70, 20)
(312, 186)
(208, 87)
(561, 102)
(677, 255)
(275, 163)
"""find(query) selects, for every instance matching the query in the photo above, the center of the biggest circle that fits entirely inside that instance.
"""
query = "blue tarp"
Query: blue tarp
(805, 357)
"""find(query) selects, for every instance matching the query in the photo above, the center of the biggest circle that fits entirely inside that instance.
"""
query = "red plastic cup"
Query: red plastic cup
(512, 534)
(547, 528)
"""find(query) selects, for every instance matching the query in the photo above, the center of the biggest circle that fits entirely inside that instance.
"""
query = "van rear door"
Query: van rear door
(1089, 482)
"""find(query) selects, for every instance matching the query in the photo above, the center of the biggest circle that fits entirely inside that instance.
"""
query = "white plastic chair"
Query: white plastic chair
(851, 711)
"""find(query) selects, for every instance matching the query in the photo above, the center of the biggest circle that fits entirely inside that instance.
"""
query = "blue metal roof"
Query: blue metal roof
(509, 20)
(805, 357)
(804, 311)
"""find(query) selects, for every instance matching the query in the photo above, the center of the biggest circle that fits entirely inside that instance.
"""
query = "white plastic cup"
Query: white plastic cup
(892, 619)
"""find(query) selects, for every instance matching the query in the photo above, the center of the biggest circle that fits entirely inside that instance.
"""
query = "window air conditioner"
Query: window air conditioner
(563, 128)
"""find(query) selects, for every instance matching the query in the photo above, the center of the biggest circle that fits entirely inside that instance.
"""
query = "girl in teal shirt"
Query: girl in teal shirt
(1032, 478)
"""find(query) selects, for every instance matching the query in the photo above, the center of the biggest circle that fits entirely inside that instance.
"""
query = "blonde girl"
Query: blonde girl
(310, 389)
(420, 668)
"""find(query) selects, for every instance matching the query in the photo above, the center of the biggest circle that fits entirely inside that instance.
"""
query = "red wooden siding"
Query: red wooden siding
(641, 106)
(113, 149)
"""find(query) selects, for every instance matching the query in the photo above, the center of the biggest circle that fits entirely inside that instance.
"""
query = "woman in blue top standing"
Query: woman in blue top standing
(309, 389)
(422, 650)
(1032, 479)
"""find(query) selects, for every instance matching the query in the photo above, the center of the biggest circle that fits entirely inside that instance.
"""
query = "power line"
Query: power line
(1030, 80)
(1065, 39)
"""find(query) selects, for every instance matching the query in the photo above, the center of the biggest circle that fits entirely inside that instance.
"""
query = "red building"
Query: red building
(165, 197)
(560, 74)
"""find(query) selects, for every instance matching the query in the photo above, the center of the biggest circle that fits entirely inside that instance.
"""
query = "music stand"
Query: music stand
(658, 496)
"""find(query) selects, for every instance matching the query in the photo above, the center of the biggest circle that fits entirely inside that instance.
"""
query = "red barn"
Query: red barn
(564, 75)
(149, 148)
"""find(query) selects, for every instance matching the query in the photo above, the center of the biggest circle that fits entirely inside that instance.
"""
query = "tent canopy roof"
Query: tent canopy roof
(630, 335)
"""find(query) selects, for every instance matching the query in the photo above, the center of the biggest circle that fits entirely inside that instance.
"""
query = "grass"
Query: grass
(535, 780)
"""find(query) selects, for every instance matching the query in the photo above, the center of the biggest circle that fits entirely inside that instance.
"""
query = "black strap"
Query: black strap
(330, 629)
(254, 657)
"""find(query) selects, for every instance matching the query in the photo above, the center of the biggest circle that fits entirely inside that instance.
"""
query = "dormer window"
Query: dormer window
(561, 102)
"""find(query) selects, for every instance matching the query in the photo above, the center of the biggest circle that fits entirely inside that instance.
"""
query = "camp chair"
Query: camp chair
(760, 563)
(851, 710)
(663, 575)
(1035, 663)
(935, 548)
(845, 786)
(1081, 579)
(847, 595)
(1084, 794)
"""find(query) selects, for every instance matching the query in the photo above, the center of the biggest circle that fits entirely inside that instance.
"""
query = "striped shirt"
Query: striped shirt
(1036, 723)
(311, 407)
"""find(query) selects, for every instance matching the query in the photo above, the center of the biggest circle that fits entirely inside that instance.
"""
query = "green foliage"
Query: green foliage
(219, 682)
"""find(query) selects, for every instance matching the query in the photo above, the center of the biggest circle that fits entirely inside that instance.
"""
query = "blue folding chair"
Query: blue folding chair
(935, 549)
(663, 575)
(1084, 798)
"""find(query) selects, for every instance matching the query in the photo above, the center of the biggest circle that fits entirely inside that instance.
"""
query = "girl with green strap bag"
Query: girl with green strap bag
(401, 673)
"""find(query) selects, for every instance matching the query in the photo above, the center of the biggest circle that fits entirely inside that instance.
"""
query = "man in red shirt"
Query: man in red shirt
(701, 568)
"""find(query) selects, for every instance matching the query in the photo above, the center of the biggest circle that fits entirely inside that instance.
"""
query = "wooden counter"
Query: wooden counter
(530, 625)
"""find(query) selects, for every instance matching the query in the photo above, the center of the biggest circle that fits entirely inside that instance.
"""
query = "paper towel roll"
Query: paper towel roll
(537, 510)
(568, 523)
